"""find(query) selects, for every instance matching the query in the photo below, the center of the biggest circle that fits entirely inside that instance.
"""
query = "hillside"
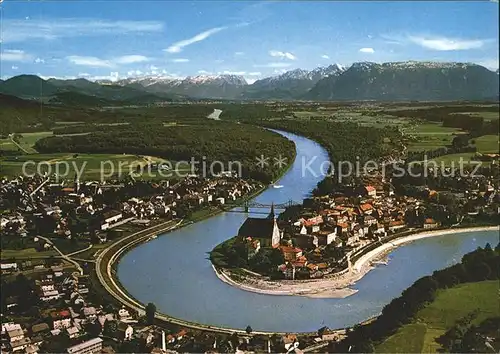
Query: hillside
(60, 91)
(290, 85)
(439, 316)
(396, 81)
(424, 81)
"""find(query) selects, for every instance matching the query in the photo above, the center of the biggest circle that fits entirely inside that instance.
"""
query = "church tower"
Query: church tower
(271, 213)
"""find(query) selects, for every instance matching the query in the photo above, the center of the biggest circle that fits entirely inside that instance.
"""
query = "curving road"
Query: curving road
(63, 256)
(104, 271)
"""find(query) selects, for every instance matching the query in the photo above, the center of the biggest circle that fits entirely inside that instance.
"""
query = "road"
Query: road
(11, 137)
(104, 273)
(63, 256)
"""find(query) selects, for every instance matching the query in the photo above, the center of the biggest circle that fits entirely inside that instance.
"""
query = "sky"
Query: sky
(118, 39)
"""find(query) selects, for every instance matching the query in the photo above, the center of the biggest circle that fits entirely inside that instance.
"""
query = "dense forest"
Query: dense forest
(209, 140)
(481, 264)
(344, 142)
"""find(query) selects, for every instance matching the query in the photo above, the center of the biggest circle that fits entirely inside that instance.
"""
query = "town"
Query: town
(322, 235)
(50, 301)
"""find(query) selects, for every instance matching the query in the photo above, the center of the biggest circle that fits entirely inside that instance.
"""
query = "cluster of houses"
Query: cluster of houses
(105, 205)
(318, 240)
(66, 311)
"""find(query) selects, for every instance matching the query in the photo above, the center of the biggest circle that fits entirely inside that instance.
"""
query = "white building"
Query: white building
(88, 347)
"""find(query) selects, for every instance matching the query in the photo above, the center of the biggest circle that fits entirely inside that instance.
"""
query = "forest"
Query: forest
(344, 142)
(479, 265)
(209, 140)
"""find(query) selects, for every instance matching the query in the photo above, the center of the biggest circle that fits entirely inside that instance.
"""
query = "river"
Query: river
(173, 271)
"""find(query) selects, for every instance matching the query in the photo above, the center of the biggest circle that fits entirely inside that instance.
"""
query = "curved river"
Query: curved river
(173, 271)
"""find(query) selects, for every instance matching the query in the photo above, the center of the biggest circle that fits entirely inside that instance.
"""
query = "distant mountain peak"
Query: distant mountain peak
(408, 80)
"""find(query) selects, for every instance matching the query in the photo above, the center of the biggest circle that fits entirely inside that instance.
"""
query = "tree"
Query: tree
(110, 328)
(150, 313)
(248, 330)
(94, 329)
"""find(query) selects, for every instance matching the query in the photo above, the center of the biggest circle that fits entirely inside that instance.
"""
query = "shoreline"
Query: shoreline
(107, 276)
(339, 286)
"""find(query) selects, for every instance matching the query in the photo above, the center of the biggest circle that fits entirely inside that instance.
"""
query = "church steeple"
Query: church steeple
(271, 213)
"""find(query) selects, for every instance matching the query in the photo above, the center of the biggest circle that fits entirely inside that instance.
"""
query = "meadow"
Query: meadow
(93, 166)
(437, 317)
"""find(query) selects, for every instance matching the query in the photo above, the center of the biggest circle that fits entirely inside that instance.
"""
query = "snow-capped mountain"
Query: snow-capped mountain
(200, 86)
(409, 80)
(291, 84)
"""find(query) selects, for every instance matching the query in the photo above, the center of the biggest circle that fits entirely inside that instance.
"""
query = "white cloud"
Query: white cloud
(204, 72)
(367, 50)
(15, 30)
(491, 64)
(134, 73)
(279, 71)
(279, 54)
(273, 65)
(106, 63)
(89, 61)
(178, 46)
(255, 73)
(39, 61)
(324, 56)
(14, 67)
(83, 74)
(15, 55)
(447, 44)
(239, 53)
(227, 72)
(130, 59)
(180, 60)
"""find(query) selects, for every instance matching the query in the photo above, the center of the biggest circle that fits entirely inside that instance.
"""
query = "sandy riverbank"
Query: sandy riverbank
(333, 287)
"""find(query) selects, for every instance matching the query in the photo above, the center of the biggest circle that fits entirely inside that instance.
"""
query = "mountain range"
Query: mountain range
(411, 80)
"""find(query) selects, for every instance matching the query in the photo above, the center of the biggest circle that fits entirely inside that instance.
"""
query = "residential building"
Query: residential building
(88, 347)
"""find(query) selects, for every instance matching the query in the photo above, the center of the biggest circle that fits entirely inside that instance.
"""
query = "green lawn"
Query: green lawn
(409, 339)
(487, 144)
(436, 318)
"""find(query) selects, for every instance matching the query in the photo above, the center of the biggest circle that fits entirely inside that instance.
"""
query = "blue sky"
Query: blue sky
(109, 39)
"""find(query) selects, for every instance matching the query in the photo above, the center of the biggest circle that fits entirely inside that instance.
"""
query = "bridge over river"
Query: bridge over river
(251, 204)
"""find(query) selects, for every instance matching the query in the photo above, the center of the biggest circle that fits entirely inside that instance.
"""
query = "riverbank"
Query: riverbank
(111, 255)
(335, 286)
(106, 276)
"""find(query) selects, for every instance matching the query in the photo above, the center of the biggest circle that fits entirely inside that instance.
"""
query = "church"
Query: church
(263, 229)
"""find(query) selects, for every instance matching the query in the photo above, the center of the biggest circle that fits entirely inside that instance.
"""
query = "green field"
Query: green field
(487, 144)
(94, 166)
(27, 141)
(436, 318)
(488, 116)
(456, 159)
(429, 136)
